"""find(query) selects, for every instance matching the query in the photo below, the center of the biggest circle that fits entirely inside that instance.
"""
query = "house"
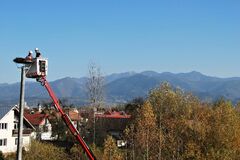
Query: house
(114, 123)
(41, 122)
(113, 115)
(75, 117)
(9, 130)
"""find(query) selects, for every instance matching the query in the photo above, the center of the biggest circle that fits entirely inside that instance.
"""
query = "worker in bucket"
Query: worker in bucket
(29, 56)
(38, 54)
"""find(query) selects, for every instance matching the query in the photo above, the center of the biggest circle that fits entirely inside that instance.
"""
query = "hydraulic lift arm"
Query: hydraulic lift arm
(66, 119)
(37, 69)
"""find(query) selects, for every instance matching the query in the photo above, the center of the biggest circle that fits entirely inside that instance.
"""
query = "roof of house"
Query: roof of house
(26, 122)
(5, 110)
(36, 118)
(114, 114)
(74, 116)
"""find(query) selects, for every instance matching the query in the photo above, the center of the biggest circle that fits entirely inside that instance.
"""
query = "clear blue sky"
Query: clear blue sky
(122, 35)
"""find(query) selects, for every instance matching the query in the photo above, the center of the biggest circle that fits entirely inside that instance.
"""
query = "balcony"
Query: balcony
(25, 132)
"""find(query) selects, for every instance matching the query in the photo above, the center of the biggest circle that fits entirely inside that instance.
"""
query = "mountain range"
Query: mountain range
(123, 87)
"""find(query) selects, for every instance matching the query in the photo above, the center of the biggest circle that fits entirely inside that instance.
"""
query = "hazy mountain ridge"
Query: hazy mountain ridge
(122, 87)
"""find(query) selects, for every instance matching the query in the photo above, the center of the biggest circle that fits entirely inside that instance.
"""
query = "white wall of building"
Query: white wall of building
(47, 135)
(11, 145)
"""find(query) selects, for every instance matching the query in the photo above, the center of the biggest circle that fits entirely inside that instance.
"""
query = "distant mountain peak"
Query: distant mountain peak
(123, 73)
(149, 73)
(195, 73)
(190, 73)
(115, 76)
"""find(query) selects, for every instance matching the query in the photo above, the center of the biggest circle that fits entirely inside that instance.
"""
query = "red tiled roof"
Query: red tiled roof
(35, 119)
(74, 116)
(113, 114)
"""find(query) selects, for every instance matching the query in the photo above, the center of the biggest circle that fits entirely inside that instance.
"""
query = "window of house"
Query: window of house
(15, 126)
(16, 141)
(3, 142)
(3, 125)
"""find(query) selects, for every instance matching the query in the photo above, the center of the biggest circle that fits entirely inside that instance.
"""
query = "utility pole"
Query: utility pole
(20, 120)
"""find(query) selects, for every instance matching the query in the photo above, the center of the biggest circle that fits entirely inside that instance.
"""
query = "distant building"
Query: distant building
(75, 117)
(9, 130)
(113, 115)
(73, 114)
(113, 123)
(41, 122)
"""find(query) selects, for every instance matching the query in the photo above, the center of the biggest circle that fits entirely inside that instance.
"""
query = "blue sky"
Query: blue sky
(122, 35)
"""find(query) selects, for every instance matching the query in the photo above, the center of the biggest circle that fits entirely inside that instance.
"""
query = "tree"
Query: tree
(146, 133)
(111, 152)
(130, 138)
(97, 151)
(95, 85)
(59, 128)
(1, 156)
(44, 151)
(95, 91)
(76, 153)
(174, 111)
(133, 107)
(195, 130)
(223, 140)
(142, 134)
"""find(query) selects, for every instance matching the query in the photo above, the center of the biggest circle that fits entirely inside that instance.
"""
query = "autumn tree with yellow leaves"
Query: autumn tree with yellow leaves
(146, 131)
(173, 124)
(111, 151)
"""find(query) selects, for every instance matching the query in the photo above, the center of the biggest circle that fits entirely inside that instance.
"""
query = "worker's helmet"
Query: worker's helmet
(30, 52)
(36, 49)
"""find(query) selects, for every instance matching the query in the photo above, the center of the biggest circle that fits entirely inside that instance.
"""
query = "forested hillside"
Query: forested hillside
(123, 87)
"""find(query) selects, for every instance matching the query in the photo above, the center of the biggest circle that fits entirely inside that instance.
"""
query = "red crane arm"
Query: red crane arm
(66, 119)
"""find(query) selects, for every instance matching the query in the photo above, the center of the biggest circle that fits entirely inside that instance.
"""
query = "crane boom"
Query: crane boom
(37, 68)
(66, 119)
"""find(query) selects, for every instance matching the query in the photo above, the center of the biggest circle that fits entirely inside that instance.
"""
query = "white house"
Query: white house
(8, 130)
